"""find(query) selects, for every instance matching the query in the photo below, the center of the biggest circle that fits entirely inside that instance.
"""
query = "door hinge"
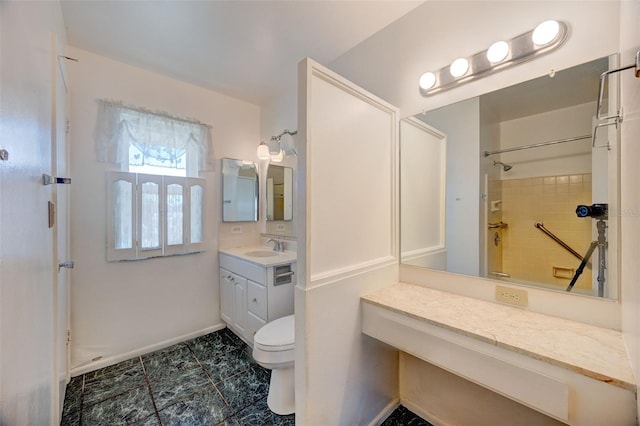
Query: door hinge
(68, 335)
(67, 128)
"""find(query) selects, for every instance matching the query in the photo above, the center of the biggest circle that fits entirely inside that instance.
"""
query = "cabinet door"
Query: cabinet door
(240, 303)
(226, 296)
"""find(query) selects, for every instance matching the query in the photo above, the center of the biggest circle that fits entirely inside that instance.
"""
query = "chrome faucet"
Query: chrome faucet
(278, 246)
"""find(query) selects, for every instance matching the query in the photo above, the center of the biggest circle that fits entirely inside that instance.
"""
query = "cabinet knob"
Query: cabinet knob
(254, 300)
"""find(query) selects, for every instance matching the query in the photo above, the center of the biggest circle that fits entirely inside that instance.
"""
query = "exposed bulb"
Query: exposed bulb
(263, 151)
(427, 80)
(498, 51)
(545, 33)
(459, 67)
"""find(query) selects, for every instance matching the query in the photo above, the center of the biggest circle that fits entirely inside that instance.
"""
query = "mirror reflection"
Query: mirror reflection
(239, 191)
(508, 186)
(279, 193)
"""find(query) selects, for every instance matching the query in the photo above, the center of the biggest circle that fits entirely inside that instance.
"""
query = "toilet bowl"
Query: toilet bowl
(273, 348)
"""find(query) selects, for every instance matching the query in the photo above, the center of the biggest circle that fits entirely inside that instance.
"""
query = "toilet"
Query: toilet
(273, 348)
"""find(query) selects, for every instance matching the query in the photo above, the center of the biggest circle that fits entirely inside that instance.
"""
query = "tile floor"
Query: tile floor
(210, 380)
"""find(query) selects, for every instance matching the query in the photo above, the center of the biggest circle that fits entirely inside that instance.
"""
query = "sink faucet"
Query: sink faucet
(278, 246)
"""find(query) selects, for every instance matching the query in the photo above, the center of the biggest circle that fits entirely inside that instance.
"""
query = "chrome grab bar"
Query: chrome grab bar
(500, 274)
(551, 235)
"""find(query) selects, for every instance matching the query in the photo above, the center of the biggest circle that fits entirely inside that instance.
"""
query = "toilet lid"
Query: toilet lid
(279, 334)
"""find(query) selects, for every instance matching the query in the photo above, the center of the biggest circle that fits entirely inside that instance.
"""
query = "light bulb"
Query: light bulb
(427, 80)
(498, 51)
(277, 158)
(263, 151)
(459, 67)
(545, 33)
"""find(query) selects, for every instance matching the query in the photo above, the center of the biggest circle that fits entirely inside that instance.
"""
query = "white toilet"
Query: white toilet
(273, 348)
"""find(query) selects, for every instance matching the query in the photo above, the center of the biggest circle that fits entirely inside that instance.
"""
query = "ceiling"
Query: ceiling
(245, 49)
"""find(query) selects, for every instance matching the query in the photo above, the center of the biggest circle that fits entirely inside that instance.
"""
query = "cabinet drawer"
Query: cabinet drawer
(257, 299)
(253, 325)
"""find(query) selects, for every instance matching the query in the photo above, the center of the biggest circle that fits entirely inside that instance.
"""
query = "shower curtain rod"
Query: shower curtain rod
(536, 145)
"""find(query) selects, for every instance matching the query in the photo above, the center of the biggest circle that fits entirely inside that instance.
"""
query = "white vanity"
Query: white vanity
(256, 287)
(574, 372)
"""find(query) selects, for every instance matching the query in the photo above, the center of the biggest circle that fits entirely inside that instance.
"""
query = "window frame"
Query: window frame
(136, 252)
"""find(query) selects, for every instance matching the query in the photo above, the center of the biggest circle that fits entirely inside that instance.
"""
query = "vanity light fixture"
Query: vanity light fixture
(263, 151)
(547, 36)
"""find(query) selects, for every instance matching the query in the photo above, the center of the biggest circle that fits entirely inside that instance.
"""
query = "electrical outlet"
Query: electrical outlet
(237, 229)
(280, 227)
(512, 296)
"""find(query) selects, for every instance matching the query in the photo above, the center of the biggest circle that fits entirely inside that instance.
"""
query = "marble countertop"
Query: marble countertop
(595, 352)
(277, 258)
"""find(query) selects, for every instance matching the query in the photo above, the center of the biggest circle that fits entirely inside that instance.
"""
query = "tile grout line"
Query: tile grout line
(153, 400)
(231, 409)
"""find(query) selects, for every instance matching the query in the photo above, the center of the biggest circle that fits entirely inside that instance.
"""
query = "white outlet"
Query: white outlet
(237, 229)
(280, 227)
(512, 296)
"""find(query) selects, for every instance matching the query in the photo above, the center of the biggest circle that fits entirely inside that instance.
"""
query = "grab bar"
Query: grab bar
(551, 235)
(499, 225)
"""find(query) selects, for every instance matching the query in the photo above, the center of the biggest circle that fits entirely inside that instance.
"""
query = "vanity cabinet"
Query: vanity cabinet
(252, 293)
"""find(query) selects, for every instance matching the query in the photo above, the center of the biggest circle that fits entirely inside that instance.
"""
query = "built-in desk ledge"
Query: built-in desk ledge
(503, 338)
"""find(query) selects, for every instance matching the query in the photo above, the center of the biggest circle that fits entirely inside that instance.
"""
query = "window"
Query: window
(152, 215)
(156, 201)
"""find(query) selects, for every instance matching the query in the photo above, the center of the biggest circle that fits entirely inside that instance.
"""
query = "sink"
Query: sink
(261, 253)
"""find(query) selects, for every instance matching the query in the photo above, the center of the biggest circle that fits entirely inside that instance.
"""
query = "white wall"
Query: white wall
(567, 158)
(461, 123)
(630, 176)
(348, 246)
(120, 309)
(28, 386)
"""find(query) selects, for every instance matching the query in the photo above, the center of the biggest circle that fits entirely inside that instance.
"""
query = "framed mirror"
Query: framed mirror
(279, 193)
(239, 191)
(510, 185)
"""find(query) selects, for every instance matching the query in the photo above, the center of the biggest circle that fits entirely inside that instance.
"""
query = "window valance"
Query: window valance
(158, 138)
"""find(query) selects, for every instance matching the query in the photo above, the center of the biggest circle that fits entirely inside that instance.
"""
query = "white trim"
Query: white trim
(427, 415)
(386, 412)
(350, 271)
(114, 359)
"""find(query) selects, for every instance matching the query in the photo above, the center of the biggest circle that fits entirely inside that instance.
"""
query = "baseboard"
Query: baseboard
(428, 416)
(386, 412)
(114, 359)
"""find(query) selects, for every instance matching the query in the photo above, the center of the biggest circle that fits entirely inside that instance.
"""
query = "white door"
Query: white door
(60, 248)
(28, 391)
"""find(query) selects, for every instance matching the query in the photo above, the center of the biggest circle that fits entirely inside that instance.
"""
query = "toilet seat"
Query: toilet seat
(278, 335)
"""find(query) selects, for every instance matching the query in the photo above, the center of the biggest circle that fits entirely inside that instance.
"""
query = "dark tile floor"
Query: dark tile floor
(210, 380)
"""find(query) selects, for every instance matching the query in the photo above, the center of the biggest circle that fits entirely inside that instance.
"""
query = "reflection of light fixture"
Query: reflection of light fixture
(544, 38)
(459, 67)
(263, 151)
(497, 51)
(545, 33)
(285, 147)
(277, 158)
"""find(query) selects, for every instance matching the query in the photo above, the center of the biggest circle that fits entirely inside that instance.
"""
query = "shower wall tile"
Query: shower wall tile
(527, 253)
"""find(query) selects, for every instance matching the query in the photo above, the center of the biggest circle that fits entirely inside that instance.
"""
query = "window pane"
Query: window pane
(122, 214)
(150, 216)
(196, 214)
(174, 215)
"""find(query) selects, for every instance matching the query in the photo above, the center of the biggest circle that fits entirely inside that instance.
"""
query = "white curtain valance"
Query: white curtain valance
(159, 139)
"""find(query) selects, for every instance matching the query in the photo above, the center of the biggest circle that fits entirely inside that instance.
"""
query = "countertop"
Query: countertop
(278, 258)
(592, 351)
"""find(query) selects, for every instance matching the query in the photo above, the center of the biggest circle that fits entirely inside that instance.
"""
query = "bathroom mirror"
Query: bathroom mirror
(279, 193)
(490, 186)
(239, 191)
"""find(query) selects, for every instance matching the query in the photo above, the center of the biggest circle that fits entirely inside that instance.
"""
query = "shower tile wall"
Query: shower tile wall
(527, 253)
